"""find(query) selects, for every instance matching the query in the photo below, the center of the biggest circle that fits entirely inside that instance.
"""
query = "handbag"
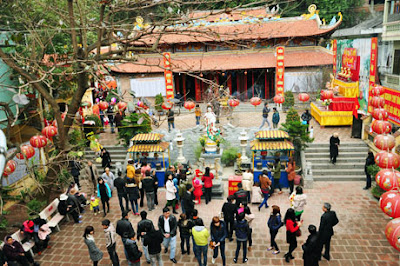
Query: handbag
(212, 244)
(298, 232)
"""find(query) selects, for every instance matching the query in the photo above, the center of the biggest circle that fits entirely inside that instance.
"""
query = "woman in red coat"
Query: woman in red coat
(198, 192)
(207, 179)
(291, 228)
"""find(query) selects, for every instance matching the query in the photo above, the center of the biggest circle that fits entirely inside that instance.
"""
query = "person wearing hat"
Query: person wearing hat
(124, 227)
(68, 206)
(328, 221)
(167, 224)
(109, 232)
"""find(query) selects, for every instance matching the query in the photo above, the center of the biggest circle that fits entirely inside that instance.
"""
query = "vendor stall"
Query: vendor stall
(150, 148)
(327, 117)
(269, 145)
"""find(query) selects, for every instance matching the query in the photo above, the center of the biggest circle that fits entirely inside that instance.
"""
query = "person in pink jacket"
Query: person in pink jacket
(198, 192)
(208, 183)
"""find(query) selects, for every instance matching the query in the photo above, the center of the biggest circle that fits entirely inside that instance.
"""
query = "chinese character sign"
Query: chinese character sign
(349, 58)
(372, 70)
(280, 69)
(169, 82)
(392, 105)
(334, 49)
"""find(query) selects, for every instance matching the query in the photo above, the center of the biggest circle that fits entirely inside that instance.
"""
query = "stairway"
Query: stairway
(349, 165)
(117, 154)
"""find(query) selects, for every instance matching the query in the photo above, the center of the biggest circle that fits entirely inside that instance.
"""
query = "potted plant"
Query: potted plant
(229, 156)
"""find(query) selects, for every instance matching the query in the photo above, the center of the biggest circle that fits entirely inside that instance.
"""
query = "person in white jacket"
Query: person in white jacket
(247, 182)
(299, 201)
(170, 193)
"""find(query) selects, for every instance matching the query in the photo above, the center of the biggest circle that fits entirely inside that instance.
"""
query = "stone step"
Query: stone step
(113, 156)
(340, 164)
(325, 158)
(339, 178)
(342, 155)
(344, 144)
(337, 172)
(363, 150)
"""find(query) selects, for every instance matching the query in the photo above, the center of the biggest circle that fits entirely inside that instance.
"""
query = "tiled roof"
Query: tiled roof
(285, 145)
(196, 62)
(272, 134)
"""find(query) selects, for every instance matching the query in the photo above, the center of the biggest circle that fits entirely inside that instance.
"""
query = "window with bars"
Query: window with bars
(396, 62)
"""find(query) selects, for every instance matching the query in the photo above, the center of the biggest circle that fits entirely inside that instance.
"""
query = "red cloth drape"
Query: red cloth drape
(342, 104)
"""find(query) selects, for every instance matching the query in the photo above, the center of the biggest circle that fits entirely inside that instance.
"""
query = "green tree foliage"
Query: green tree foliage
(292, 116)
(130, 126)
(159, 100)
(289, 99)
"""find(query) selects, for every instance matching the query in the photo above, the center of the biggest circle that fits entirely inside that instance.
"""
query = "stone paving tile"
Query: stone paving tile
(359, 237)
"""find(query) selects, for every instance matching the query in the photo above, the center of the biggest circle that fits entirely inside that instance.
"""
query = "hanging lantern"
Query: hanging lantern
(49, 132)
(189, 105)
(167, 105)
(385, 159)
(26, 151)
(380, 114)
(255, 101)
(392, 232)
(390, 203)
(377, 90)
(11, 165)
(304, 97)
(388, 179)
(38, 141)
(279, 99)
(377, 102)
(122, 106)
(103, 105)
(233, 102)
(384, 142)
(327, 94)
(381, 127)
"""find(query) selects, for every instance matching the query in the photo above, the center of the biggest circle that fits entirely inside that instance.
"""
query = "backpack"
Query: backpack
(182, 189)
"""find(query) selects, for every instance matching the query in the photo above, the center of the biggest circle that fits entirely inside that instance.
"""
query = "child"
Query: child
(197, 112)
(275, 118)
(256, 194)
(311, 132)
(185, 232)
(198, 192)
(94, 204)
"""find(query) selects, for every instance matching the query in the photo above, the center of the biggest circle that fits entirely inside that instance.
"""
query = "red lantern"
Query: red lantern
(26, 151)
(103, 105)
(38, 141)
(385, 159)
(384, 142)
(279, 99)
(390, 203)
(10, 167)
(388, 179)
(167, 105)
(233, 102)
(255, 101)
(122, 106)
(377, 90)
(392, 232)
(380, 114)
(189, 105)
(328, 94)
(304, 97)
(377, 102)
(381, 127)
(49, 132)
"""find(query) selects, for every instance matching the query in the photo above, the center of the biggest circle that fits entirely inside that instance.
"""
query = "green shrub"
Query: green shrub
(130, 126)
(376, 191)
(77, 139)
(35, 206)
(373, 170)
(289, 99)
(197, 152)
(159, 100)
(292, 115)
(229, 155)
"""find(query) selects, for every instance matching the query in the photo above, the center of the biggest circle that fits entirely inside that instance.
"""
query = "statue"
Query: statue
(211, 119)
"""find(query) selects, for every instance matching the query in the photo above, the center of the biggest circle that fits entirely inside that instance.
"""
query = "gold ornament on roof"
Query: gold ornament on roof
(312, 9)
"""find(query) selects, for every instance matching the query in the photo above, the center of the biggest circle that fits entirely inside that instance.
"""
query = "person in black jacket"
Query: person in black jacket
(124, 227)
(369, 161)
(334, 143)
(74, 168)
(164, 221)
(153, 240)
(242, 231)
(154, 176)
(67, 205)
(265, 116)
(229, 211)
(328, 221)
(132, 251)
(105, 158)
(148, 187)
(187, 201)
(218, 235)
(241, 195)
(306, 116)
(311, 250)
(120, 184)
(3, 259)
(185, 228)
(143, 227)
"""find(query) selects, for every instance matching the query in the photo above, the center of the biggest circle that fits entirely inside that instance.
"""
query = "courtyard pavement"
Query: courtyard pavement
(359, 237)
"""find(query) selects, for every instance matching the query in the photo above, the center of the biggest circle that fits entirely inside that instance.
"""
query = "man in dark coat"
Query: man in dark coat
(306, 116)
(74, 168)
(334, 143)
(124, 226)
(241, 195)
(187, 201)
(311, 247)
(369, 161)
(328, 221)
(229, 211)
(143, 227)
(120, 184)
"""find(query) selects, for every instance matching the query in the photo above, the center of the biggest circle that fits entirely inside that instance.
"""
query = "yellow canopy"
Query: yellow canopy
(284, 145)
(147, 137)
(272, 134)
(159, 147)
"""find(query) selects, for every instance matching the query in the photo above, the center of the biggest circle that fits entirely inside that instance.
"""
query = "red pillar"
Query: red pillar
(229, 83)
(266, 85)
(238, 84)
(252, 81)
(184, 85)
(197, 90)
(177, 79)
(245, 86)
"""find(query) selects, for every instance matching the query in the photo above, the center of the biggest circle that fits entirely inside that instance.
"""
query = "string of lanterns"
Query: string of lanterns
(388, 178)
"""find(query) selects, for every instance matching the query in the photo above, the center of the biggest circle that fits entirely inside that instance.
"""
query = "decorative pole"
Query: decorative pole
(179, 143)
(243, 144)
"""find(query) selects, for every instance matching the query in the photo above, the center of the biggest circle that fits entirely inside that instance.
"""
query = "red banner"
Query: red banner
(392, 105)
(280, 70)
(334, 49)
(169, 82)
(372, 69)
(349, 58)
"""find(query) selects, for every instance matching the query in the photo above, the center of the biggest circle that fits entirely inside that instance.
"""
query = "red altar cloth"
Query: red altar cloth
(342, 104)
